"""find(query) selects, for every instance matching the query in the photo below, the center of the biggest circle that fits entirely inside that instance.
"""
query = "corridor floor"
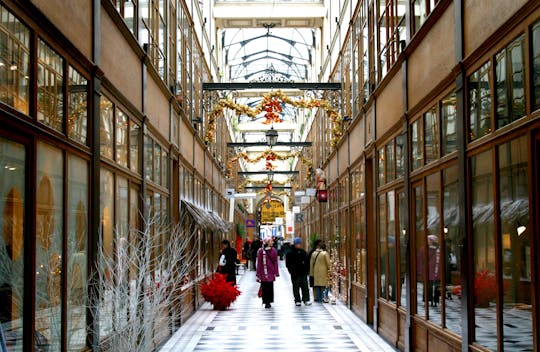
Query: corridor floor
(247, 326)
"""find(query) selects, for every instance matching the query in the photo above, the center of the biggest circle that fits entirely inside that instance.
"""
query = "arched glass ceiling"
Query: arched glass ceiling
(259, 54)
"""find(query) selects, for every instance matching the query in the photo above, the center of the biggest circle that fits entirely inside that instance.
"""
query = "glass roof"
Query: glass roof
(268, 54)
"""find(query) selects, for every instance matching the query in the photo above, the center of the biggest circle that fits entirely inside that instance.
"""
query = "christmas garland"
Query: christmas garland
(271, 104)
(243, 185)
(270, 156)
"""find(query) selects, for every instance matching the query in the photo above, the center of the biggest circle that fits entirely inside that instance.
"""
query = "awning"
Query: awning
(206, 219)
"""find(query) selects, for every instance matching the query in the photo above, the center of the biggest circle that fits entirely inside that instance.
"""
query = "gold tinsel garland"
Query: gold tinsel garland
(273, 99)
(269, 155)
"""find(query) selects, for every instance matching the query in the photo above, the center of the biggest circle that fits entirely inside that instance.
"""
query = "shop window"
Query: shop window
(535, 86)
(12, 246)
(380, 169)
(77, 239)
(14, 62)
(433, 250)
(403, 239)
(106, 135)
(417, 145)
(516, 245)
(419, 246)
(49, 230)
(452, 251)
(480, 86)
(383, 251)
(431, 135)
(510, 83)
(448, 124)
(484, 249)
(400, 155)
(50, 100)
(148, 158)
(391, 246)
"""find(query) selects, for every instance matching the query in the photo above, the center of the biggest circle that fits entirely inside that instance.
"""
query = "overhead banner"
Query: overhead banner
(275, 210)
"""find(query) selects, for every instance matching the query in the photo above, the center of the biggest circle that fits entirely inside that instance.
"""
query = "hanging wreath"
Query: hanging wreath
(272, 105)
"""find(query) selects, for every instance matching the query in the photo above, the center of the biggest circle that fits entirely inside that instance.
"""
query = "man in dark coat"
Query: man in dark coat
(230, 261)
(255, 245)
(298, 265)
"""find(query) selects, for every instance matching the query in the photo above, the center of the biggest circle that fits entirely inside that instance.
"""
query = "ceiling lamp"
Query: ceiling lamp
(271, 137)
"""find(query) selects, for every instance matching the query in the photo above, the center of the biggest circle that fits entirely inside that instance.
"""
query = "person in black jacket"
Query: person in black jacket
(298, 265)
(230, 255)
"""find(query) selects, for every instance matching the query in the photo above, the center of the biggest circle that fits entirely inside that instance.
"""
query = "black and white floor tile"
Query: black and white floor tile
(247, 326)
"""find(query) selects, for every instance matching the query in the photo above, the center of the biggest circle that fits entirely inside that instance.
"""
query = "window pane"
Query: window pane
(402, 249)
(157, 164)
(77, 252)
(148, 158)
(510, 76)
(433, 185)
(122, 128)
(382, 247)
(391, 225)
(381, 167)
(106, 223)
(77, 106)
(164, 169)
(516, 245)
(134, 146)
(418, 195)
(12, 222)
(431, 135)
(121, 240)
(452, 250)
(14, 62)
(106, 127)
(49, 223)
(400, 156)
(420, 13)
(536, 65)
(480, 86)
(50, 101)
(484, 249)
(390, 162)
(417, 145)
(448, 120)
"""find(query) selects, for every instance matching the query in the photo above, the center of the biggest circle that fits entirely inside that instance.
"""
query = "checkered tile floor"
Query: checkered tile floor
(247, 326)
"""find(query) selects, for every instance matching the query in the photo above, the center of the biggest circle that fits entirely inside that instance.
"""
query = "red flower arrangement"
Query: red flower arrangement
(219, 292)
(485, 288)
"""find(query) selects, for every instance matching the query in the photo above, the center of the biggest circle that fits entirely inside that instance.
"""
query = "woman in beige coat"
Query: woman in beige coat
(319, 269)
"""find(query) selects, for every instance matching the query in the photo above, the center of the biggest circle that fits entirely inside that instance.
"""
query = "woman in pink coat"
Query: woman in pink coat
(267, 270)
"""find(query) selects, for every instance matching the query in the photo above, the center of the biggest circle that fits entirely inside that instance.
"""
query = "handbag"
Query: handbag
(222, 260)
(259, 294)
(311, 277)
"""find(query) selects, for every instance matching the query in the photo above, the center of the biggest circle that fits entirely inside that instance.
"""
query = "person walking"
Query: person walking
(227, 261)
(267, 270)
(319, 268)
(298, 266)
(255, 246)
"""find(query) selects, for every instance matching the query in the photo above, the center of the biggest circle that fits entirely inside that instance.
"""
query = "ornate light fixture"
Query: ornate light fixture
(271, 137)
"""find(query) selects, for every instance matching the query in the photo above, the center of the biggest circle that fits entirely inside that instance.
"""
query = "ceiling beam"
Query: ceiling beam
(262, 144)
(271, 85)
(247, 173)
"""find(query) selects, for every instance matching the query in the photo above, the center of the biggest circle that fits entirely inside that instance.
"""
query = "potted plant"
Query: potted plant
(220, 293)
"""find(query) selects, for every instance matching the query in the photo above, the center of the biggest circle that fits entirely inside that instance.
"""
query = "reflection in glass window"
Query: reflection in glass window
(431, 135)
(77, 252)
(391, 243)
(50, 101)
(448, 124)
(107, 236)
(134, 146)
(484, 249)
(516, 244)
(417, 145)
(418, 196)
(480, 86)
(49, 230)
(382, 247)
(400, 155)
(510, 83)
(77, 106)
(433, 239)
(157, 164)
(14, 62)
(148, 158)
(106, 134)
(402, 249)
(535, 85)
(12, 223)
(452, 252)
(122, 128)
(390, 162)
(381, 167)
